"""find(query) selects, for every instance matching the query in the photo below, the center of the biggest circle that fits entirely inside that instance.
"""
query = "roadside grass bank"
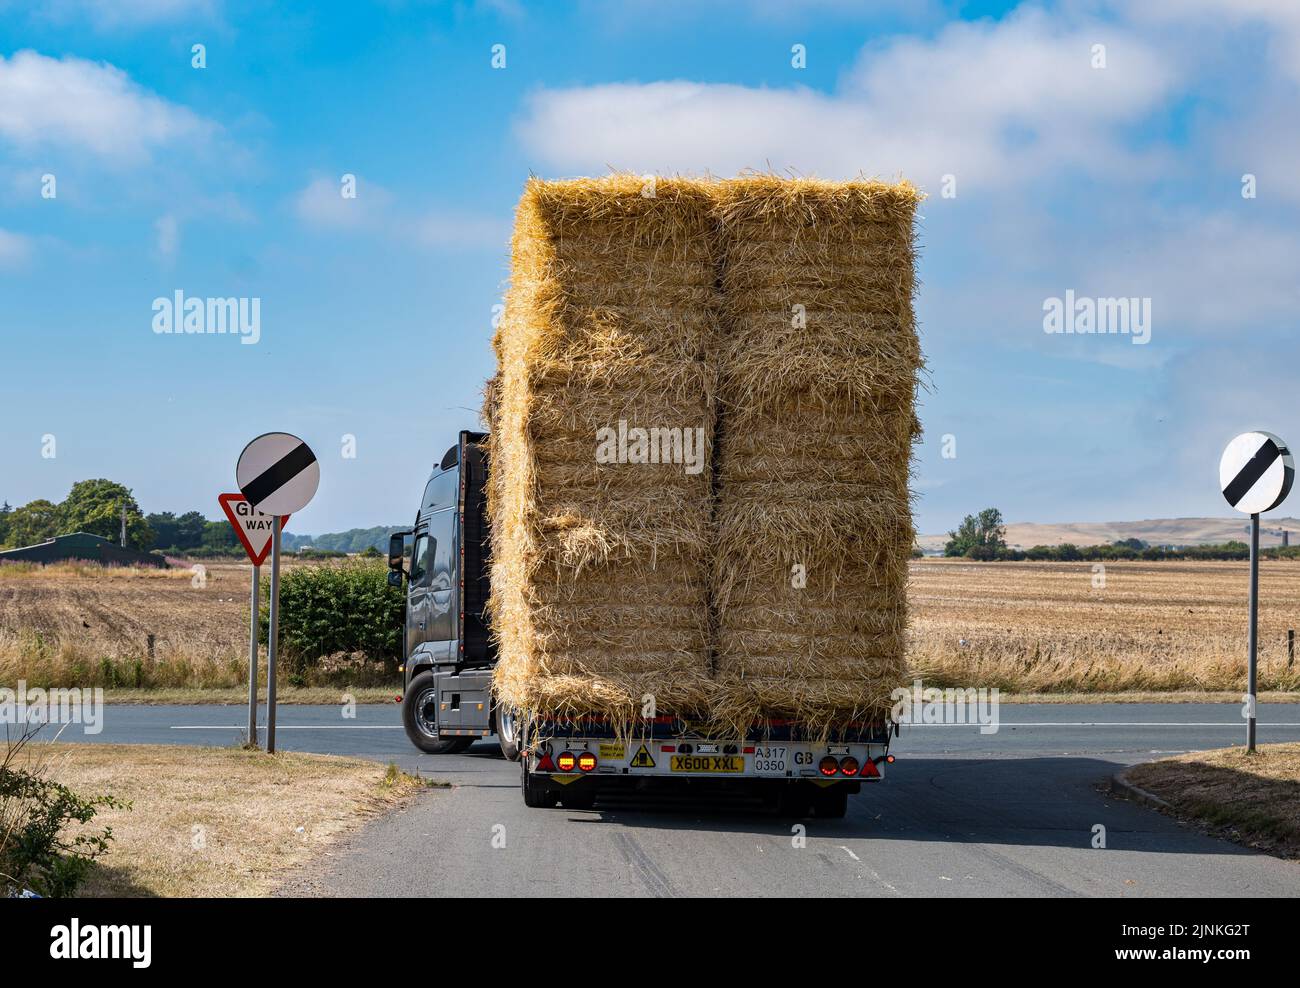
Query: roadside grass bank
(218, 821)
(293, 695)
(389, 694)
(1250, 799)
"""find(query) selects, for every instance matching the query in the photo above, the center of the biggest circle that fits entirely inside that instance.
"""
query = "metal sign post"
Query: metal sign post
(252, 655)
(1253, 634)
(273, 638)
(278, 474)
(254, 531)
(1255, 474)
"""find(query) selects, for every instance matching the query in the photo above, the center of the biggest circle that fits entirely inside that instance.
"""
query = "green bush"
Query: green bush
(35, 851)
(339, 607)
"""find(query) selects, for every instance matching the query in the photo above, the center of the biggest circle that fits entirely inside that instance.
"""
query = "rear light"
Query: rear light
(587, 761)
(828, 766)
(849, 765)
(565, 761)
(889, 759)
(545, 764)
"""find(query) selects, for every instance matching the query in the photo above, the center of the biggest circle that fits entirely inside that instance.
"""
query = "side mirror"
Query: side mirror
(396, 557)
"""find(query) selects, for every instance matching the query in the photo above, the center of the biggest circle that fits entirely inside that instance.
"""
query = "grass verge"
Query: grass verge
(220, 821)
(325, 695)
(1251, 799)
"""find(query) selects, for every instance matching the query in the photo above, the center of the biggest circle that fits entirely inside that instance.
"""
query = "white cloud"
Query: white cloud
(90, 106)
(15, 249)
(990, 102)
(321, 204)
(374, 210)
(167, 234)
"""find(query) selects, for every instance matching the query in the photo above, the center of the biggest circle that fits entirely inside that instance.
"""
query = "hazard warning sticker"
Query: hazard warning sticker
(642, 759)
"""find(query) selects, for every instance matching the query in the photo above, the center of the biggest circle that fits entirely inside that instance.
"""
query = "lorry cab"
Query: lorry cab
(447, 651)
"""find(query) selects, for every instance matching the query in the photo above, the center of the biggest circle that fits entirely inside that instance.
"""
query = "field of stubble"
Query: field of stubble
(1132, 626)
(1022, 627)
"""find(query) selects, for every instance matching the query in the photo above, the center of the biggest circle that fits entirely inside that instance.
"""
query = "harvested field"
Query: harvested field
(89, 625)
(1047, 628)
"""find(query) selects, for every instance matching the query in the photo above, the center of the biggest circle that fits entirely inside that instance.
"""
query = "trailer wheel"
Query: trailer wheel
(420, 718)
(506, 725)
(831, 803)
(537, 794)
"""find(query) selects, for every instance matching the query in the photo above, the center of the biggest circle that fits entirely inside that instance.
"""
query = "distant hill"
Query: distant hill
(353, 540)
(1157, 531)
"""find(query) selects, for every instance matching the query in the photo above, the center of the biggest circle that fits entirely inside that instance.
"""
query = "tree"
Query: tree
(979, 536)
(5, 512)
(164, 528)
(190, 527)
(218, 535)
(95, 506)
(34, 522)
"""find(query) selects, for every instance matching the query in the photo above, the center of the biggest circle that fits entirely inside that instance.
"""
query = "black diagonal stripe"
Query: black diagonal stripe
(1251, 472)
(278, 474)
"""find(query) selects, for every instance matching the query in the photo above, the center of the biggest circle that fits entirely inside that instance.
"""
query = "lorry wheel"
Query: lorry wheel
(537, 794)
(420, 718)
(506, 725)
(831, 803)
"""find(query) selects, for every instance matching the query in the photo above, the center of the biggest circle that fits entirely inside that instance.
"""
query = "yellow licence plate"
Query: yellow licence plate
(707, 763)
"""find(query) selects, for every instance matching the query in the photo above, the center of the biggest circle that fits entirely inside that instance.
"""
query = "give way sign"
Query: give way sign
(253, 528)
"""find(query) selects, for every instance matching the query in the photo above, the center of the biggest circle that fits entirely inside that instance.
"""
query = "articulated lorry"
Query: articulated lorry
(448, 703)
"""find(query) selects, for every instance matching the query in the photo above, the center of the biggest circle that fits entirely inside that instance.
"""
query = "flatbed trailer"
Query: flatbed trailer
(448, 703)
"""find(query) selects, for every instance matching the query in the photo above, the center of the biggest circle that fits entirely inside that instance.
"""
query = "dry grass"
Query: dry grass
(1252, 799)
(217, 821)
(89, 625)
(1045, 628)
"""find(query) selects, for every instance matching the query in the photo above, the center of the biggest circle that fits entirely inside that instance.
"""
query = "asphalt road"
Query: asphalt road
(959, 814)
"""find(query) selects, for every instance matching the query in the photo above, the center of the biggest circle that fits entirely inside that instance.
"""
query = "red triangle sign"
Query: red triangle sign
(251, 526)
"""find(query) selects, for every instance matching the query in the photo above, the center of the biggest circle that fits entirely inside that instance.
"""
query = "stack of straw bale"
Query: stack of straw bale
(818, 370)
(601, 570)
(773, 582)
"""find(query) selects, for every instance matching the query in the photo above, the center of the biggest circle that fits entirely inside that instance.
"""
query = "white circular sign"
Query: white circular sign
(1255, 472)
(278, 473)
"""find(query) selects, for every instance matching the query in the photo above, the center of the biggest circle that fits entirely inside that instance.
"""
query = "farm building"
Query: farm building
(81, 546)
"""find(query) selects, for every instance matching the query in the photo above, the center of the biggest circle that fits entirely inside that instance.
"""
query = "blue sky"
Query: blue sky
(1115, 180)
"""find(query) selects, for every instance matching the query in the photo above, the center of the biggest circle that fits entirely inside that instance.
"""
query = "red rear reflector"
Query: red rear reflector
(565, 761)
(849, 765)
(544, 764)
(828, 766)
(668, 747)
(586, 761)
(869, 768)
(749, 749)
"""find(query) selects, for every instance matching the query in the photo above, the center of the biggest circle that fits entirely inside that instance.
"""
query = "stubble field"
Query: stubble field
(1062, 628)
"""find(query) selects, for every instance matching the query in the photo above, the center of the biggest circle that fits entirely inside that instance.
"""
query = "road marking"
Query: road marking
(849, 853)
(1113, 723)
(289, 727)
